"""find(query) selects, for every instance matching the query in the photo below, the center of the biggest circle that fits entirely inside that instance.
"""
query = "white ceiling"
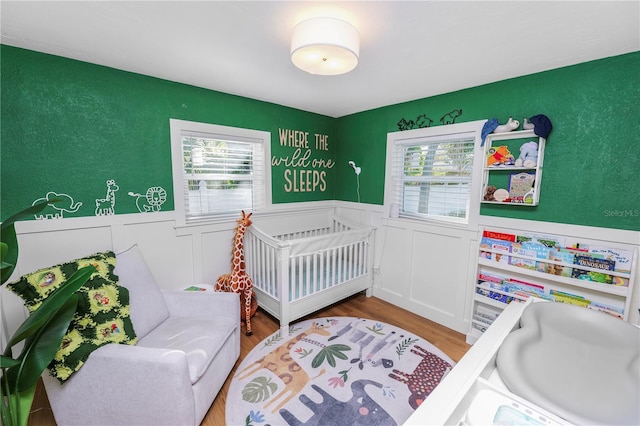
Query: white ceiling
(409, 49)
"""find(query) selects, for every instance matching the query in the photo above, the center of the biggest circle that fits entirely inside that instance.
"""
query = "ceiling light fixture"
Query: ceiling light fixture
(325, 46)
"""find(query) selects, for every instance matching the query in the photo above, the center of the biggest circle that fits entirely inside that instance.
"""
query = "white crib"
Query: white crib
(297, 273)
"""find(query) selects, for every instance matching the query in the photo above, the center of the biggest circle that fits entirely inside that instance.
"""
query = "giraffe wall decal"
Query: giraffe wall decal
(280, 363)
(238, 281)
(105, 206)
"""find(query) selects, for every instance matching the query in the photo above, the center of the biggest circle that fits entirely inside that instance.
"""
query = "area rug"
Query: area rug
(335, 371)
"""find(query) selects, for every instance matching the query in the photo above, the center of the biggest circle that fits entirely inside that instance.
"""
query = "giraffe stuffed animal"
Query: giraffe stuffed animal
(238, 281)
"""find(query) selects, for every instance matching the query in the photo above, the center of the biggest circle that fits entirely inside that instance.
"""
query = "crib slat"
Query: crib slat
(351, 263)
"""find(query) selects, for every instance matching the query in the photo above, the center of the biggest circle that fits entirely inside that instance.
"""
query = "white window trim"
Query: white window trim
(177, 128)
(471, 129)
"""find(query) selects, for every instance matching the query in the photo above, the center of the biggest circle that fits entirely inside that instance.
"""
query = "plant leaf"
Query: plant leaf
(51, 304)
(41, 348)
(10, 253)
(6, 362)
(23, 214)
(8, 237)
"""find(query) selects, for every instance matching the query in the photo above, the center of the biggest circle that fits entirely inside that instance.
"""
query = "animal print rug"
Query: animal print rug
(335, 371)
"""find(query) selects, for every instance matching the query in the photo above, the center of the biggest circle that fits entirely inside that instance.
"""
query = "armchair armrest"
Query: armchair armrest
(209, 304)
(133, 384)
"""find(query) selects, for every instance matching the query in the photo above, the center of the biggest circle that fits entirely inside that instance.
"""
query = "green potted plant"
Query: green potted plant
(42, 331)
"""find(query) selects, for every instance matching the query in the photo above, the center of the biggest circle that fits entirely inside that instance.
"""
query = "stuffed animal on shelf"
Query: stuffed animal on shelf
(528, 155)
(540, 124)
(509, 126)
(527, 125)
(488, 195)
(499, 156)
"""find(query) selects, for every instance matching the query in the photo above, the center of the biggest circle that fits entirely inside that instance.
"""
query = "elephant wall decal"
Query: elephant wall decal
(64, 204)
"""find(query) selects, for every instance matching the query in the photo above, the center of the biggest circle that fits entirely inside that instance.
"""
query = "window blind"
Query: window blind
(221, 174)
(432, 176)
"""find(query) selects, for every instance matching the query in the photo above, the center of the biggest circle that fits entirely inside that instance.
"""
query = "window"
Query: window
(218, 170)
(430, 172)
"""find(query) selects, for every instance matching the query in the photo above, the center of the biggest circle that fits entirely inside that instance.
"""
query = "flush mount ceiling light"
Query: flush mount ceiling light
(325, 46)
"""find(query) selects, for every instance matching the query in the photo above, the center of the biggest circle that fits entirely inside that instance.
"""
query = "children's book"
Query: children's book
(494, 295)
(544, 239)
(525, 286)
(593, 262)
(504, 247)
(520, 184)
(520, 262)
(540, 250)
(622, 259)
(195, 288)
(498, 235)
(563, 255)
(501, 246)
(607, 309)
(491, 278)
(570, 299)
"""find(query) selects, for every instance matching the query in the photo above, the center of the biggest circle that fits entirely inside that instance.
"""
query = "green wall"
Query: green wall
(592, 160)
(69, 126)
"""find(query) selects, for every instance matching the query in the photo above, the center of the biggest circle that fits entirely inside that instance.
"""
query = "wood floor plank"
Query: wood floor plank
(450, 342)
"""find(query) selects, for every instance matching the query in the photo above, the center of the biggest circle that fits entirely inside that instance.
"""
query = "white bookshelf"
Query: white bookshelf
(490, 298)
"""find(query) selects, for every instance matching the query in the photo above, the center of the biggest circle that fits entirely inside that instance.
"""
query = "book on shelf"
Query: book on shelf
(495, 235)
(505, 248)
(480, 327)
(516, 260)
(524, 286)
(564, 255)
(488, 285)
(488, 312)
(622, 259)
(607, 309)
(520, 184)
(488, 277)
(570, 299)
(502, 247)
(593, 262)
(495, 295)
(483, 320)
(544, 239)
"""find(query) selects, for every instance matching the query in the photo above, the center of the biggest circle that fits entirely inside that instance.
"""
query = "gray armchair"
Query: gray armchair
(188, 342)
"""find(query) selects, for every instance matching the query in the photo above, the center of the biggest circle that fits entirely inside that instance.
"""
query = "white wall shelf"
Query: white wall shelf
(498, 175)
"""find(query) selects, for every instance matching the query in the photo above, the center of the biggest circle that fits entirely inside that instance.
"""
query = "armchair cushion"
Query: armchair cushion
(199, 338)
(148, 308)
(102, 313)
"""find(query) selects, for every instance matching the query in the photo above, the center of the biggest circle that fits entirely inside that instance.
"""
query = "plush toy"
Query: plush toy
(488, 195)
(510, 125)
(528, 155)
(527, 125)
(499, 155)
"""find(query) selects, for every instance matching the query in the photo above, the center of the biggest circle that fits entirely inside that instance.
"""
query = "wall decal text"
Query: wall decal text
(303, 171)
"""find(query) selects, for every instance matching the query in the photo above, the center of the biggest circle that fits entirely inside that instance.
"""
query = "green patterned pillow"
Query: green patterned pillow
(102, 315)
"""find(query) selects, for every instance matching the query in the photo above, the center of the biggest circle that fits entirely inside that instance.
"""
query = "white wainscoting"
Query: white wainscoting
(419, 266)
(425, 268)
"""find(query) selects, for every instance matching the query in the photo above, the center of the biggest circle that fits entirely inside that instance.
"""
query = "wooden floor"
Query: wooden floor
(450, 342)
